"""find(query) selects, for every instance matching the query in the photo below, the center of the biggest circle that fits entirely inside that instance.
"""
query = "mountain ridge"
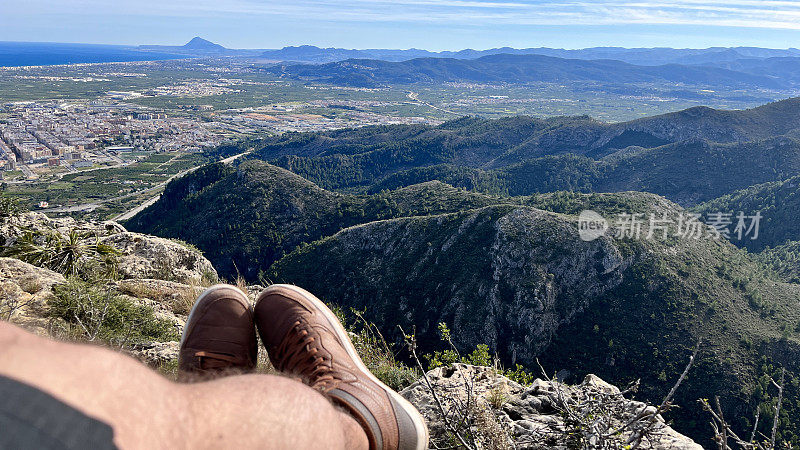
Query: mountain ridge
(510, 68)
(644, 56)
(689, 156)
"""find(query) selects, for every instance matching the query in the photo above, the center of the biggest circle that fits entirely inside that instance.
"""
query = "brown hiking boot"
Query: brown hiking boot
(219, 335)
(303, 337)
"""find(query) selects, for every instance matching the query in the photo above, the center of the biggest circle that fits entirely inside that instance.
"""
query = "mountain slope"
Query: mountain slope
(246, 218)
(779, 204)
(695, 171)
(505, 68)
(784, 260)
(484, 142)
(689, 156)
(520, 280)
(687, 172)
(504, 272)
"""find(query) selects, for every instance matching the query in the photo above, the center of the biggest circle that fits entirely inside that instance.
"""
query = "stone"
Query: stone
(595, 381)
(157, 353)
(145, 256)
(529, 416)
(38, 222)
(24, 291)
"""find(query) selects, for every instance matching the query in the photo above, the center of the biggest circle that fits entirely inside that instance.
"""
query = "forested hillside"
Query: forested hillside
(507, 68)
(246, 218)
(521, 281)
(474, 223)
(778, 202)
(689, 157)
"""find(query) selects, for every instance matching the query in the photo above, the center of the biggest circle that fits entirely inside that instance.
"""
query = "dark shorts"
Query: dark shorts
(30, 418)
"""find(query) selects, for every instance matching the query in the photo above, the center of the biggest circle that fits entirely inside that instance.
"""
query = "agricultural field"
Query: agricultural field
(104, 193)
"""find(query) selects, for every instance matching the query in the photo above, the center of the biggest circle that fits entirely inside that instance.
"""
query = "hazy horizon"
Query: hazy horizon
(173, 44)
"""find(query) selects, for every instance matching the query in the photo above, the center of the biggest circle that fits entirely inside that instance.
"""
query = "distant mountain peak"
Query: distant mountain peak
(199, 43)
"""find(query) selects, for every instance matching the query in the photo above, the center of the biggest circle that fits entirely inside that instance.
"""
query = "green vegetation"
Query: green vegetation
(784, 260)
(268, 212)
(454, 268)
(9, 209)
(481, 356)
(779, 204)
(702, 154)
(85, 307)
(378, 355)
(109, 191)
(93, 313)
(69, 254)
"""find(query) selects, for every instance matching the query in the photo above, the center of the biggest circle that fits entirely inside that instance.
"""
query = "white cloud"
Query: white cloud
(777, 14)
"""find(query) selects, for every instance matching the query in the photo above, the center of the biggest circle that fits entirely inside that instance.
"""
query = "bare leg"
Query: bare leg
(147, 411)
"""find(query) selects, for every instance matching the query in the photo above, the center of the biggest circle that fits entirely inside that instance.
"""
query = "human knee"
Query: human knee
(270, 407)
(10, 335)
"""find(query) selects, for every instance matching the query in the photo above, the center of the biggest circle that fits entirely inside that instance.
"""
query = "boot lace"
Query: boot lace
(298, 354)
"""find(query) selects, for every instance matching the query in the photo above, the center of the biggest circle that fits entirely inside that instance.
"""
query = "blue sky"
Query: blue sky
(429, 24)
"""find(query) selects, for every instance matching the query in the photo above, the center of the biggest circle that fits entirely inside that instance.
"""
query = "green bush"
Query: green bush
(481, 356)
(9, 208)
(96, 314)
(65, 254)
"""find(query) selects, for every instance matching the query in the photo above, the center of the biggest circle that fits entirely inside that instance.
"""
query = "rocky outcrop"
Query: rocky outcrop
(164, 275)
(24, 291)
(145, 256)
(141, 255)
(38, 222)
(157, 354)
(505, 414)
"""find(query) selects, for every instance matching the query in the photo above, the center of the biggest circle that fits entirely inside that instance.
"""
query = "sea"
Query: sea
(15, 54)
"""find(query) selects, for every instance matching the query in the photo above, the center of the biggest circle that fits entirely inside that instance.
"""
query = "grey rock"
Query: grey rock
(157, 353)
(38, 222)
(527, 416)
(24, 291)
(145, 256)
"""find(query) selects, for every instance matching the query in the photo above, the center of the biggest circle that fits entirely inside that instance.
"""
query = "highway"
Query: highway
(133, 211)
(414, 96)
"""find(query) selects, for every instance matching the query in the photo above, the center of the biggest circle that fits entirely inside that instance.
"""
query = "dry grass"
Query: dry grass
(497, 396)
(490, 433)
(30, 284)
(179, 298)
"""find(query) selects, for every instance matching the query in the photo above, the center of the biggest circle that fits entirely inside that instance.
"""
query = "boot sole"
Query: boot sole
(419, 422)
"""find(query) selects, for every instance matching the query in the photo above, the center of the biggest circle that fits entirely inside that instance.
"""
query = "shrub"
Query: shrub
(478, 357)
(65, 254)
(93, 313)
(9, 209)
(376, 353)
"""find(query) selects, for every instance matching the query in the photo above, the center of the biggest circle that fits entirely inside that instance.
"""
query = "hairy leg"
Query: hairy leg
(147, 411)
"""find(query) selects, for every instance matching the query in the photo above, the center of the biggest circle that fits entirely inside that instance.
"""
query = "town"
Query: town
(36, 137)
